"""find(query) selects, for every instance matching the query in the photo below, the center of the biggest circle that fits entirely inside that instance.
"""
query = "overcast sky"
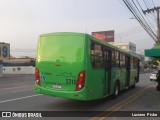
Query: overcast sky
(22, 21)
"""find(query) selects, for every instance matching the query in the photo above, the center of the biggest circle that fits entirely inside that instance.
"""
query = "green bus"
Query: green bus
(81, 67)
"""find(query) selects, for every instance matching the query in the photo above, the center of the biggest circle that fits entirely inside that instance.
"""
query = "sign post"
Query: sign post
(4, 51)
(4, 54)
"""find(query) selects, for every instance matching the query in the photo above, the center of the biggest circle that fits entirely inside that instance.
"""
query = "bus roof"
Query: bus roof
(64, 33)
(95, 39)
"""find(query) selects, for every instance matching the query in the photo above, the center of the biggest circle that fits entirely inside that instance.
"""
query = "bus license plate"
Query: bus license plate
(56, 86)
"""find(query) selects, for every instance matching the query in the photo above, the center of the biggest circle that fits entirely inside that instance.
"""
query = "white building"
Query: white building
(19, 66)
(18, 70)
(128, 46)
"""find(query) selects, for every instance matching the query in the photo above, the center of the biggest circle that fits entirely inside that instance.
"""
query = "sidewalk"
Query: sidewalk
(147, 71)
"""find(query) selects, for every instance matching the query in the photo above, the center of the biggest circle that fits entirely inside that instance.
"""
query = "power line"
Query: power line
(153, 3)
(136, 9)
(124, 7)
(145, 4)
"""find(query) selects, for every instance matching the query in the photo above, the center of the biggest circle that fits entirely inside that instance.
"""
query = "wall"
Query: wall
(19, 70)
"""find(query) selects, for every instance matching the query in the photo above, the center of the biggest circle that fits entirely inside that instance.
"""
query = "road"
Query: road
(17, 94)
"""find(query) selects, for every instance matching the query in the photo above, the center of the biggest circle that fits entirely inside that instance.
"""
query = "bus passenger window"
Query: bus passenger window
(96, 56)
(122, 60)
(132, 63)
(115, 59)
(135, 63)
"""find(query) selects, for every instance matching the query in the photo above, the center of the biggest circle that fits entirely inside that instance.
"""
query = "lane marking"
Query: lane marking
(15, 87)
(16, 91)
(120, 104)
(22, 90)
(19, 98)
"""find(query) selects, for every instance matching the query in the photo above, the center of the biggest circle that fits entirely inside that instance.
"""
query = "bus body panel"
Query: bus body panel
(133, 76)
(120, 75)
(95, 84)
(63, 77)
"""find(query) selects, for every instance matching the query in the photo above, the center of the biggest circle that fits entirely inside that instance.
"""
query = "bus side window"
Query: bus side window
(96, 56)
(122, 60)
(132, 63)
(135, 63)
(115, 59)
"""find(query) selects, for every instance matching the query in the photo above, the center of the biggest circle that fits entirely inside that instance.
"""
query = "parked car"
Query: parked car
(153, 75)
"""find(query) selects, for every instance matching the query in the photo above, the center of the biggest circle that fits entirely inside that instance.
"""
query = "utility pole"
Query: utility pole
(158, 22)
(158, 25)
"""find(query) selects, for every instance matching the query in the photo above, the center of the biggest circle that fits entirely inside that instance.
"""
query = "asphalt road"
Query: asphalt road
(17, 94)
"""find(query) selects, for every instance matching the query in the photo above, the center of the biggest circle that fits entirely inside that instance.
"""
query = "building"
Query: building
(128, 46)
(18, 70)
(23, 65)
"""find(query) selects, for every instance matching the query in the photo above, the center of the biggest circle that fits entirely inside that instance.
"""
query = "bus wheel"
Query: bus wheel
(116, 90)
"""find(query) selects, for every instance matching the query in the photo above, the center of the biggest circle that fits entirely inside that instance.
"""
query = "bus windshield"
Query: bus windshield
(61, 48)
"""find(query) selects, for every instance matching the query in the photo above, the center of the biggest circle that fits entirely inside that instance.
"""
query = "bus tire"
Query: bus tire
(116, 90)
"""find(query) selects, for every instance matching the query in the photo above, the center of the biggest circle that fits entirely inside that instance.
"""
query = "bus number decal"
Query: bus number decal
(71, 81)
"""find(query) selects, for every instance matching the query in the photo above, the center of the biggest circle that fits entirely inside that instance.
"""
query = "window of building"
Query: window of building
(124, 47)
(130, 47)
(18, 69)
(14, 69)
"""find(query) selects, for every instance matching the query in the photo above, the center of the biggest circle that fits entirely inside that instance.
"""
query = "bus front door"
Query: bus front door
(107, 63)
